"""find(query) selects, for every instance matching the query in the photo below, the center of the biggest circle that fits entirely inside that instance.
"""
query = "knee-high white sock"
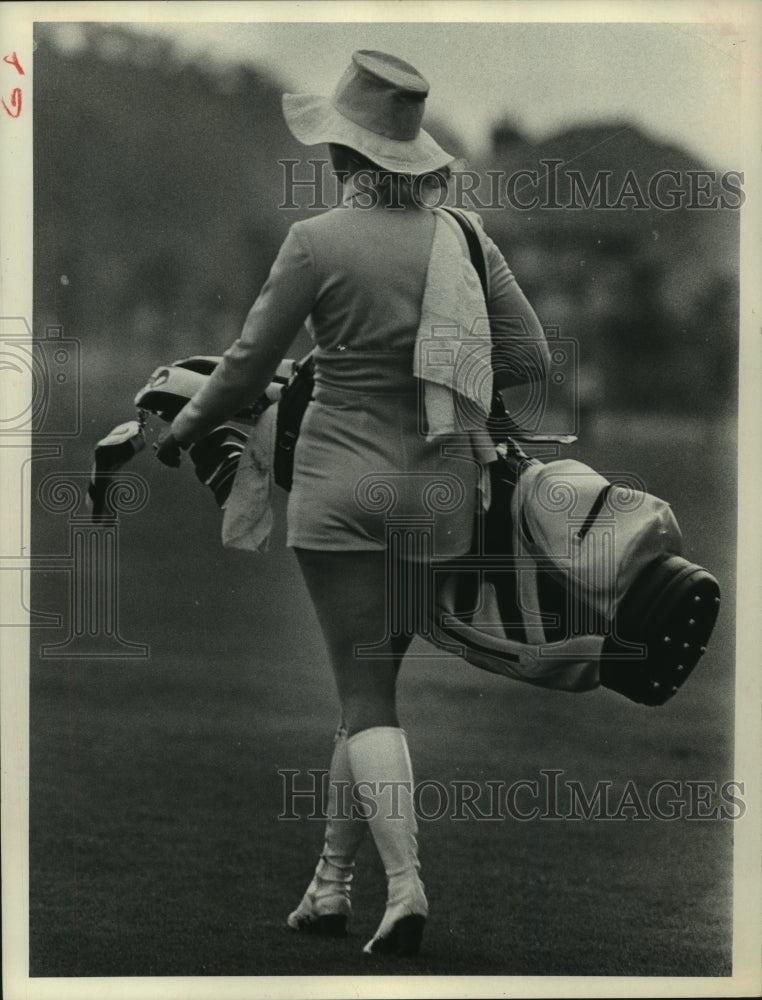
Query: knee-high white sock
(383, 777)
(329, 891)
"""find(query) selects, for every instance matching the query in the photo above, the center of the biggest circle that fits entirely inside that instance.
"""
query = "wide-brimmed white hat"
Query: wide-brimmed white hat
(376, 109)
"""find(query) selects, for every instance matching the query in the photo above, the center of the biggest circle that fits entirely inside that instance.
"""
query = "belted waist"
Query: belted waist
(355, 372)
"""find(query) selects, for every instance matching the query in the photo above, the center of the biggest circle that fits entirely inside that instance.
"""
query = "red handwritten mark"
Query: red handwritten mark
(15, 103)
(13, 60)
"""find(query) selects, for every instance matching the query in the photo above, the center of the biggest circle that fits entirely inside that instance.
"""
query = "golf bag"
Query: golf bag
(572, 582)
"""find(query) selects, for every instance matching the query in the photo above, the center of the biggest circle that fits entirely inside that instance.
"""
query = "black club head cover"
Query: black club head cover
(111, 453)
(215, 459)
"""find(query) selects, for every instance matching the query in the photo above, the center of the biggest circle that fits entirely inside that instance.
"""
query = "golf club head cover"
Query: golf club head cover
(215, 460)
(111, 453)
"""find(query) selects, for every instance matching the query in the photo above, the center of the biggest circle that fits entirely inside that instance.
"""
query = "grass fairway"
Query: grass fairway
(156, 847)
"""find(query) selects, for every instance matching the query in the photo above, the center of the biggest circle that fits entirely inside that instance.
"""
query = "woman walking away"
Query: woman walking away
(390, 463)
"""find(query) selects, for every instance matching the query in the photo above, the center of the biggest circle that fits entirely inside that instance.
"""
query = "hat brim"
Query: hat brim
(314, 120)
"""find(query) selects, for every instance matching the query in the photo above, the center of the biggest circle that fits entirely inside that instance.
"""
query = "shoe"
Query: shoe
(404, 937)
(324, 909)
(401, 929)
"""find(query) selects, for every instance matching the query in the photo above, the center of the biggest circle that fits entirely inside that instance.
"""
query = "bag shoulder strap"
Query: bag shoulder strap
(475, 251)
(500, 423)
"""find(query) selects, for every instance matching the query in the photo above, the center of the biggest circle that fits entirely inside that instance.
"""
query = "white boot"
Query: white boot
(326, 905)
(381, 768)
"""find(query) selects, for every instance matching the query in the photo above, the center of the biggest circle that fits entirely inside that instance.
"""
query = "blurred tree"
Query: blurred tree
(624, 282)
(157, 186)
(155, 181)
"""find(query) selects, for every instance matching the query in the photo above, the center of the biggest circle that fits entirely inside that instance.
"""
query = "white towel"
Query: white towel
(248, 518)
(453, 349)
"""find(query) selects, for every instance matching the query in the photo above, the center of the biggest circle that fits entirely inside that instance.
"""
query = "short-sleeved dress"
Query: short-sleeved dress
(365, 474)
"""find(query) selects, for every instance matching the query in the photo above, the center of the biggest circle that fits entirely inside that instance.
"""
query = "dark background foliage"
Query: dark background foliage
(157, 186)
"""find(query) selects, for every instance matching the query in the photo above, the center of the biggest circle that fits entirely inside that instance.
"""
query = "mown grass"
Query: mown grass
(156, 847)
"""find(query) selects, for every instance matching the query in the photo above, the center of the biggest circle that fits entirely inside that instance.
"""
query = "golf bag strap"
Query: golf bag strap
(475, 251)
(500, 423)
(527, 589)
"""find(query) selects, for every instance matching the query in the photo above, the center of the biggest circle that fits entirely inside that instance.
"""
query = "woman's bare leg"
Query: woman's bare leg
(349, 591)
(353, 593)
